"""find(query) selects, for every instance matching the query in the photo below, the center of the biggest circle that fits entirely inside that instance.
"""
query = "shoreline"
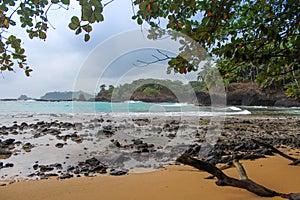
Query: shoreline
(64, 147)
(84, 145)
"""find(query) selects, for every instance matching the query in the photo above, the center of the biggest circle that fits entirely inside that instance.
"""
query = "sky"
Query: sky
(64, 62)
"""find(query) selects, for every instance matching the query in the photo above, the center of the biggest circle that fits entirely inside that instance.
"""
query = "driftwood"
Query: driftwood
(223, 167)
(295, 161)
(224, 180)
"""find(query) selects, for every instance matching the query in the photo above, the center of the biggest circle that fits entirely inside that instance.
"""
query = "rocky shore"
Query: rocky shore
(33, 148)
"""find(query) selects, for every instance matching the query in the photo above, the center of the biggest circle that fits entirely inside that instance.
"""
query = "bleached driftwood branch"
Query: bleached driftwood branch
(224, 180)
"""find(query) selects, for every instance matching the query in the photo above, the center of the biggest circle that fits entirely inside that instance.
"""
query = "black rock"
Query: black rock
(145, 150)
(27, 147)
(93, 161)
(59, 145)
(117, 143)
(57, 165)
(121, 172)
(100, 169)
(66, 176)
(77, 171)
(142, 146)
(54, 132)
(5, 152)
(137, 142)
(46, 168)
(70, 168)
(166, 126)
(35, 166)
(51, 175)
(171, 136)
(44, 130)
(24, 124)
(8, 142)
(8, 165)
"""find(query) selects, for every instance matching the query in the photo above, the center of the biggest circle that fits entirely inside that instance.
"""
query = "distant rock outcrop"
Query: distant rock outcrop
(66, 96)
(249, 94)
(153, 90)
(24, 97)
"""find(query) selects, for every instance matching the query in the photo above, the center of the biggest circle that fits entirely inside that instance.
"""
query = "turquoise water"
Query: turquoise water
(132, 107)
(264, 110)
(107, 107)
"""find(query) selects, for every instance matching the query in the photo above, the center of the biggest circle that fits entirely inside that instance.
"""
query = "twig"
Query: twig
(157, 59)
(132, 6)
(223, 167)
(108, 3)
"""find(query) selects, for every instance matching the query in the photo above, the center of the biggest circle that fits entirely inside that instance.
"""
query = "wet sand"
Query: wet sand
(173, 182)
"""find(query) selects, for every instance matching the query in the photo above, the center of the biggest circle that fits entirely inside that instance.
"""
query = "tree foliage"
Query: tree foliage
(32, 16)
(150, 88)
(256, 38)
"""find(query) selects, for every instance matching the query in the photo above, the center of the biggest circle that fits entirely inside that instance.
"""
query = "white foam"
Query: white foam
(234, 108)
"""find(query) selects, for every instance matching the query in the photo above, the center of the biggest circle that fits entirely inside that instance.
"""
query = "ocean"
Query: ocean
(136, 108)
(126, 135)
(129, 107)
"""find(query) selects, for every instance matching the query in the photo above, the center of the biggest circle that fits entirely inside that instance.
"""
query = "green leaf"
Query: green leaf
(54, 1)
(92, 19)
(182, 42)
(75, 20)
(66, 2)
(86, 37)
(78, 31)
(42, 35)
(88, 28)
(139, 21)
(22, 51)
(98, 16)
(86, 13)
(73, 26)
(44, 26)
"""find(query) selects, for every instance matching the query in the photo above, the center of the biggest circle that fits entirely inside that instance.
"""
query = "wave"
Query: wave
(242, 112)
(132, 101)
(256, 107)
(176, 105)
(234, 108)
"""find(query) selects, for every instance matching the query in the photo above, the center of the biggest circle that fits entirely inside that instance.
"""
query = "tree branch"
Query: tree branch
(224, 180)
(157, 59)
(260, 143)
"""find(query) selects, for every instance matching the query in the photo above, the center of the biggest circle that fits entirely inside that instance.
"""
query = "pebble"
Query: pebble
(234, 142)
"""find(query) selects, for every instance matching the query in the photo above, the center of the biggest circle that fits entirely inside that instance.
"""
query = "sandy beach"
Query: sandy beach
(173, 182)
(98, 157)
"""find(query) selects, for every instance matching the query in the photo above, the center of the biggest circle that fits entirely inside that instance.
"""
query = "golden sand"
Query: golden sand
(173, 182)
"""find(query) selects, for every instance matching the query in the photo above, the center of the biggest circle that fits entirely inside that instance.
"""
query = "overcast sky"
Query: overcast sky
(58, 61)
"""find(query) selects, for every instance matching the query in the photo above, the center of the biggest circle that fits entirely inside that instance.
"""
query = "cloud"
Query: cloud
(65, 62)
(57, 60)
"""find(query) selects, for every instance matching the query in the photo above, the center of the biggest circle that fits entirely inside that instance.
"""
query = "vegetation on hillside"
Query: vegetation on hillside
(150, 90)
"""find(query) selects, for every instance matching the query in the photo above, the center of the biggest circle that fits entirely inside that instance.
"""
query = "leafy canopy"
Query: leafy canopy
(251, 39)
